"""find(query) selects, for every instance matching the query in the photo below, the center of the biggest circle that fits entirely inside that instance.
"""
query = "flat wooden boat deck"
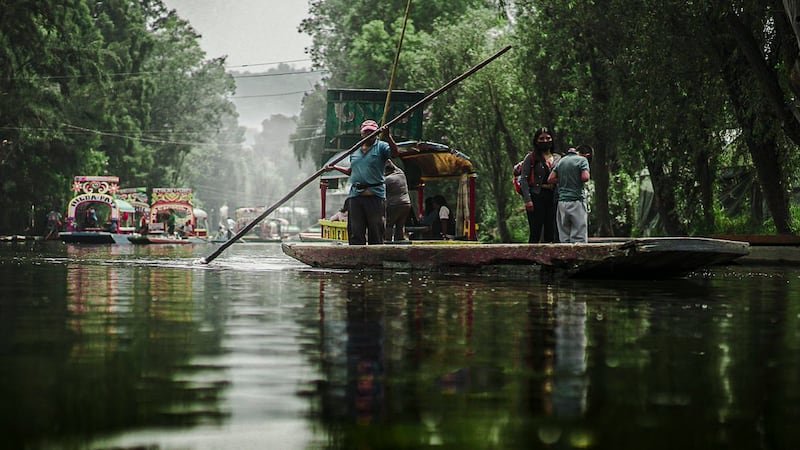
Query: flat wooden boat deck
(628, 258)
(156, 239)
(162, 239)
(92, 237)
(769, 249)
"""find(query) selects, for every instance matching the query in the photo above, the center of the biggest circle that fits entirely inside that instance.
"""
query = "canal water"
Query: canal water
(123, 347)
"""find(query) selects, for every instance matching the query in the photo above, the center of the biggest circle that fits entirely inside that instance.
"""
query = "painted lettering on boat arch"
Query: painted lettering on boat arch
(91, 198)
(99, 198)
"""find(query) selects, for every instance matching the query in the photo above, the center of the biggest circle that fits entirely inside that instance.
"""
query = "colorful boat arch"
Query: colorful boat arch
(179, 200)
(96, 190)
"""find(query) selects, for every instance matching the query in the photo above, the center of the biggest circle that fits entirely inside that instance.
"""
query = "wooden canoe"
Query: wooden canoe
(769, 249)
(761, 240)
(628, 258)
(150, 239)
(92, 237)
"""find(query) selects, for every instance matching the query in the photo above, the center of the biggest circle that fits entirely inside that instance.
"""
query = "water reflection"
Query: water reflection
(114, 353)
(440, 362)
(572, 364)
(557, 359)
(127, 347)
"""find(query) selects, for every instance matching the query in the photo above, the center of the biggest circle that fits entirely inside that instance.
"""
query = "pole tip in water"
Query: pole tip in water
(200, 261)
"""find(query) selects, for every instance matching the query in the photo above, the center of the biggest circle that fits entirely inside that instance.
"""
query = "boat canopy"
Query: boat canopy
(124, 206)
(421, 161)
(429, 161)
(137, 197)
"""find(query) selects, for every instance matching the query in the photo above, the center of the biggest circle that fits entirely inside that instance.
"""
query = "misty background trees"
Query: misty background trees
(123, 88)
(690, 107)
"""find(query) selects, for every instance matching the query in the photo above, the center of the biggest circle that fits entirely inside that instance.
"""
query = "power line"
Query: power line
(269, 63)
(269, 95)
(121, 134)
(259, 75)
(151, 72)
(150, 140)
(312, 138)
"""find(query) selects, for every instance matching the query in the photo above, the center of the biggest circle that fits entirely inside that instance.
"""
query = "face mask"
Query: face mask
(544, 146)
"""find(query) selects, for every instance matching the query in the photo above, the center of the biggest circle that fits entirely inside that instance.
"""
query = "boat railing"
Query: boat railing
(333, 229)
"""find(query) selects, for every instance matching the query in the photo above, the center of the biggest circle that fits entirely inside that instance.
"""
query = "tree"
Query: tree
(765, 53)
(484, 133)
(90, 88)
(187, 95)
(48, 53)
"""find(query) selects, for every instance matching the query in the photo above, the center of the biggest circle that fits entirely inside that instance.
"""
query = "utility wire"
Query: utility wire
(270, 95)
(122, 134)
(269, 63)
(260, 75)
(150, 140)
(132, 74)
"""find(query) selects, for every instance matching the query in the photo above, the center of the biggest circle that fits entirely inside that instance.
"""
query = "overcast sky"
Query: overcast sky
(248, 31)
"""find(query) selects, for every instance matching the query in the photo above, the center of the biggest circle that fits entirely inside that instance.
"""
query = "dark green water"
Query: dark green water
(137, 347)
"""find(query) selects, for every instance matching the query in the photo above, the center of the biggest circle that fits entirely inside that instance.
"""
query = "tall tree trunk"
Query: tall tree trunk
(600, 176)
(793, 14)
(766, 77)
(792, 24)
(765, 150)
(601, 157)
(500, 133)
(664, 192)
(705, 179)
(763, 147)
(765, 154)
(756, 206)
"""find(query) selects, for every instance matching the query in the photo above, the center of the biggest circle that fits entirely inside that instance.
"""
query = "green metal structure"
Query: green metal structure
(348, 108)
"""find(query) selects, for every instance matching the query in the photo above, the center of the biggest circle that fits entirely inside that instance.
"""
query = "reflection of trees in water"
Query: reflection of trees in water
(124, 356)
(577, 363)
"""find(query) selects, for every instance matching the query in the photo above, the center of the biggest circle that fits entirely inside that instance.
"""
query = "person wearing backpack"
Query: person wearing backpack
(539, 195)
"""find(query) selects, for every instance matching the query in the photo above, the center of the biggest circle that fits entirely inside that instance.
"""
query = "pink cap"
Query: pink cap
(369, 125)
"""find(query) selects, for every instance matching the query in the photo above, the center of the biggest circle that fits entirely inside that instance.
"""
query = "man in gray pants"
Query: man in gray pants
(570, 173)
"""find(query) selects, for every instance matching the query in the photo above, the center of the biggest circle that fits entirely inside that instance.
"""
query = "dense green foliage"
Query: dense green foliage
(99, 88)
(672, 96)
(680, 101)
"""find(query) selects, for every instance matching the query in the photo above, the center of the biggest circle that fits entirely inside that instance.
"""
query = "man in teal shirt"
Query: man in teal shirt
(366, 221)
(570, 173)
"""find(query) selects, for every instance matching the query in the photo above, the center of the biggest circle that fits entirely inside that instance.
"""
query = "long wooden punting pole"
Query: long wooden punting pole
(394, 66)
(352, 149)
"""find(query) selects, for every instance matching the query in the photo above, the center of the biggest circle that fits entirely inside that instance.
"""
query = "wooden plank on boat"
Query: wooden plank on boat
(92, 237)
(772, 255)
(763, 239)
(635, 258)
(148, 239)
